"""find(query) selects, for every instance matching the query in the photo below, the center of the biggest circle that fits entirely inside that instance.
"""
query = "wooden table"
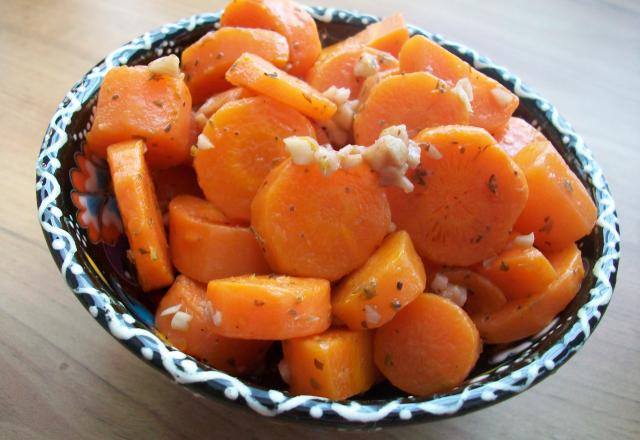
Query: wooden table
(61, 376)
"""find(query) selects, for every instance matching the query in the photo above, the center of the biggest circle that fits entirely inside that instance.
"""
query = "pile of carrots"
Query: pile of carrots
(358, 281)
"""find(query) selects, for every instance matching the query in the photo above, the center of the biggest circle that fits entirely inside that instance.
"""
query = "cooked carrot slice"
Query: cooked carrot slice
(270, 307)
(527, 316)
(258, 74)
(336, 364)
(207, 60)
(559, 210)
(173, 182)
(517, 134)
(430, 346)
(482, 295)
(184, 317)
(390, 279)
(418, 100)
(339, 68)
(247, 137)
(326, 234)
(134, 103)
(286, 17)
(467, 197)
(493, 104)
(141, 214)
(205, 247)
(216, 101)
(388, 35)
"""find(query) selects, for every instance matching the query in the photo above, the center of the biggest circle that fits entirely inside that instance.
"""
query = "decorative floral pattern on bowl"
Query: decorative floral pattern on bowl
(77, 230)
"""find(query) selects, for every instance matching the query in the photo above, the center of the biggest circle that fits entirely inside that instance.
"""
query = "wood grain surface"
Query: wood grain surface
(63, 377)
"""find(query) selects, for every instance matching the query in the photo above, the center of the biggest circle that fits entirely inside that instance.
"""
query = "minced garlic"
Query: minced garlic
(366, 66)
(301, 149)
(203, 142)
(524, 240)
(180, 321)
(464, 89)
(167, 65)
(338, 128)
(501, 96)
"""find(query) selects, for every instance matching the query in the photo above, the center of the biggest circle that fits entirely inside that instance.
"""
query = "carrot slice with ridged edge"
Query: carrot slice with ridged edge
(247, 137)
(517, 134)
(286, 17)
(430, 346)
(135, 103)
(258, 74)
(483, 296)
(418, 100)
(493, 104)
(270, 307)
(184, 317)
(206, 247)
(326, 234)
(338, 69)
(390, 279)
(527, 316)
(141, 214)
(336, 364)
(559, 210)
(466, 197)
(207, 60)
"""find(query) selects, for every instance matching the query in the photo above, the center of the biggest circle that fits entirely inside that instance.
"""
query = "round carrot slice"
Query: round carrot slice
(247, 137)
(467, 197)
(184, 317)
(326, 233)
(418, 100)
(429, 347)
(286, 17)
(482, 295)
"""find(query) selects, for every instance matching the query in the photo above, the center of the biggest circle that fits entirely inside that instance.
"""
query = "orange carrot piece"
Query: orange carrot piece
(429, 347)
(216, 101)
(207, 60)
(326, 234)
(190, 331)
(527, 316)
(519, 271)
(258, 74)
(205, 247)
(465, 203)
(270, 307)
(133, 103)
(286, 17)
(517, 134)
(390, 279)
(141, 214)
(338, 69)
(559, 210)
(418, 100)
(482, 295)
(336, 364)
(493, 104)
(173, 182)
(371, 81)
(247, 137)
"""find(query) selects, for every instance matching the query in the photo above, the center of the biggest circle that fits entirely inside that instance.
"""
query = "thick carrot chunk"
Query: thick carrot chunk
(527, 316)
(390, 279)
(429, 347)
(135, 103)
(517, 134)
(559, 210)
(336, 364)
(141, 214)
(467, 197)
(258, 74)
(173, 182)
(418, 100)
(483, 296)
(286, 17)
(270, 307)
(184, 317)
(326, 233)
(205, 247)
(247, 137)
(206, 61)
(492, 103)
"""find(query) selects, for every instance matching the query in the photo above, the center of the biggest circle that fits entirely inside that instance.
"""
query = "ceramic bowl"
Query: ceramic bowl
(82, 227)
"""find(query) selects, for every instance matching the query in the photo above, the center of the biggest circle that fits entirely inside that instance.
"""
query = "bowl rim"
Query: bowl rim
(202, 379)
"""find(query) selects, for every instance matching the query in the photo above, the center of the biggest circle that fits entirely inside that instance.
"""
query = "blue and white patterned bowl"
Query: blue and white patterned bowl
(74, 208)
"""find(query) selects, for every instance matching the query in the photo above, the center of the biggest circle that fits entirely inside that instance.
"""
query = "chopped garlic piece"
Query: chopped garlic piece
(203, 142)
(399, 131)
(168, 65)
(392, 227)
(338, 95)
(301, 149)
(465, 92)
(339, 127)
(413, 155)
(180, 321)
(502, 96)
(432, 151)
(337, 135)
(285, 373)
(328, 160)
(439, 283)
(524, 240)
(171, 310)
(366, 66)
(371, 315)
(345, 113)
(350, 156)
(456, 294)
(217, 318)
